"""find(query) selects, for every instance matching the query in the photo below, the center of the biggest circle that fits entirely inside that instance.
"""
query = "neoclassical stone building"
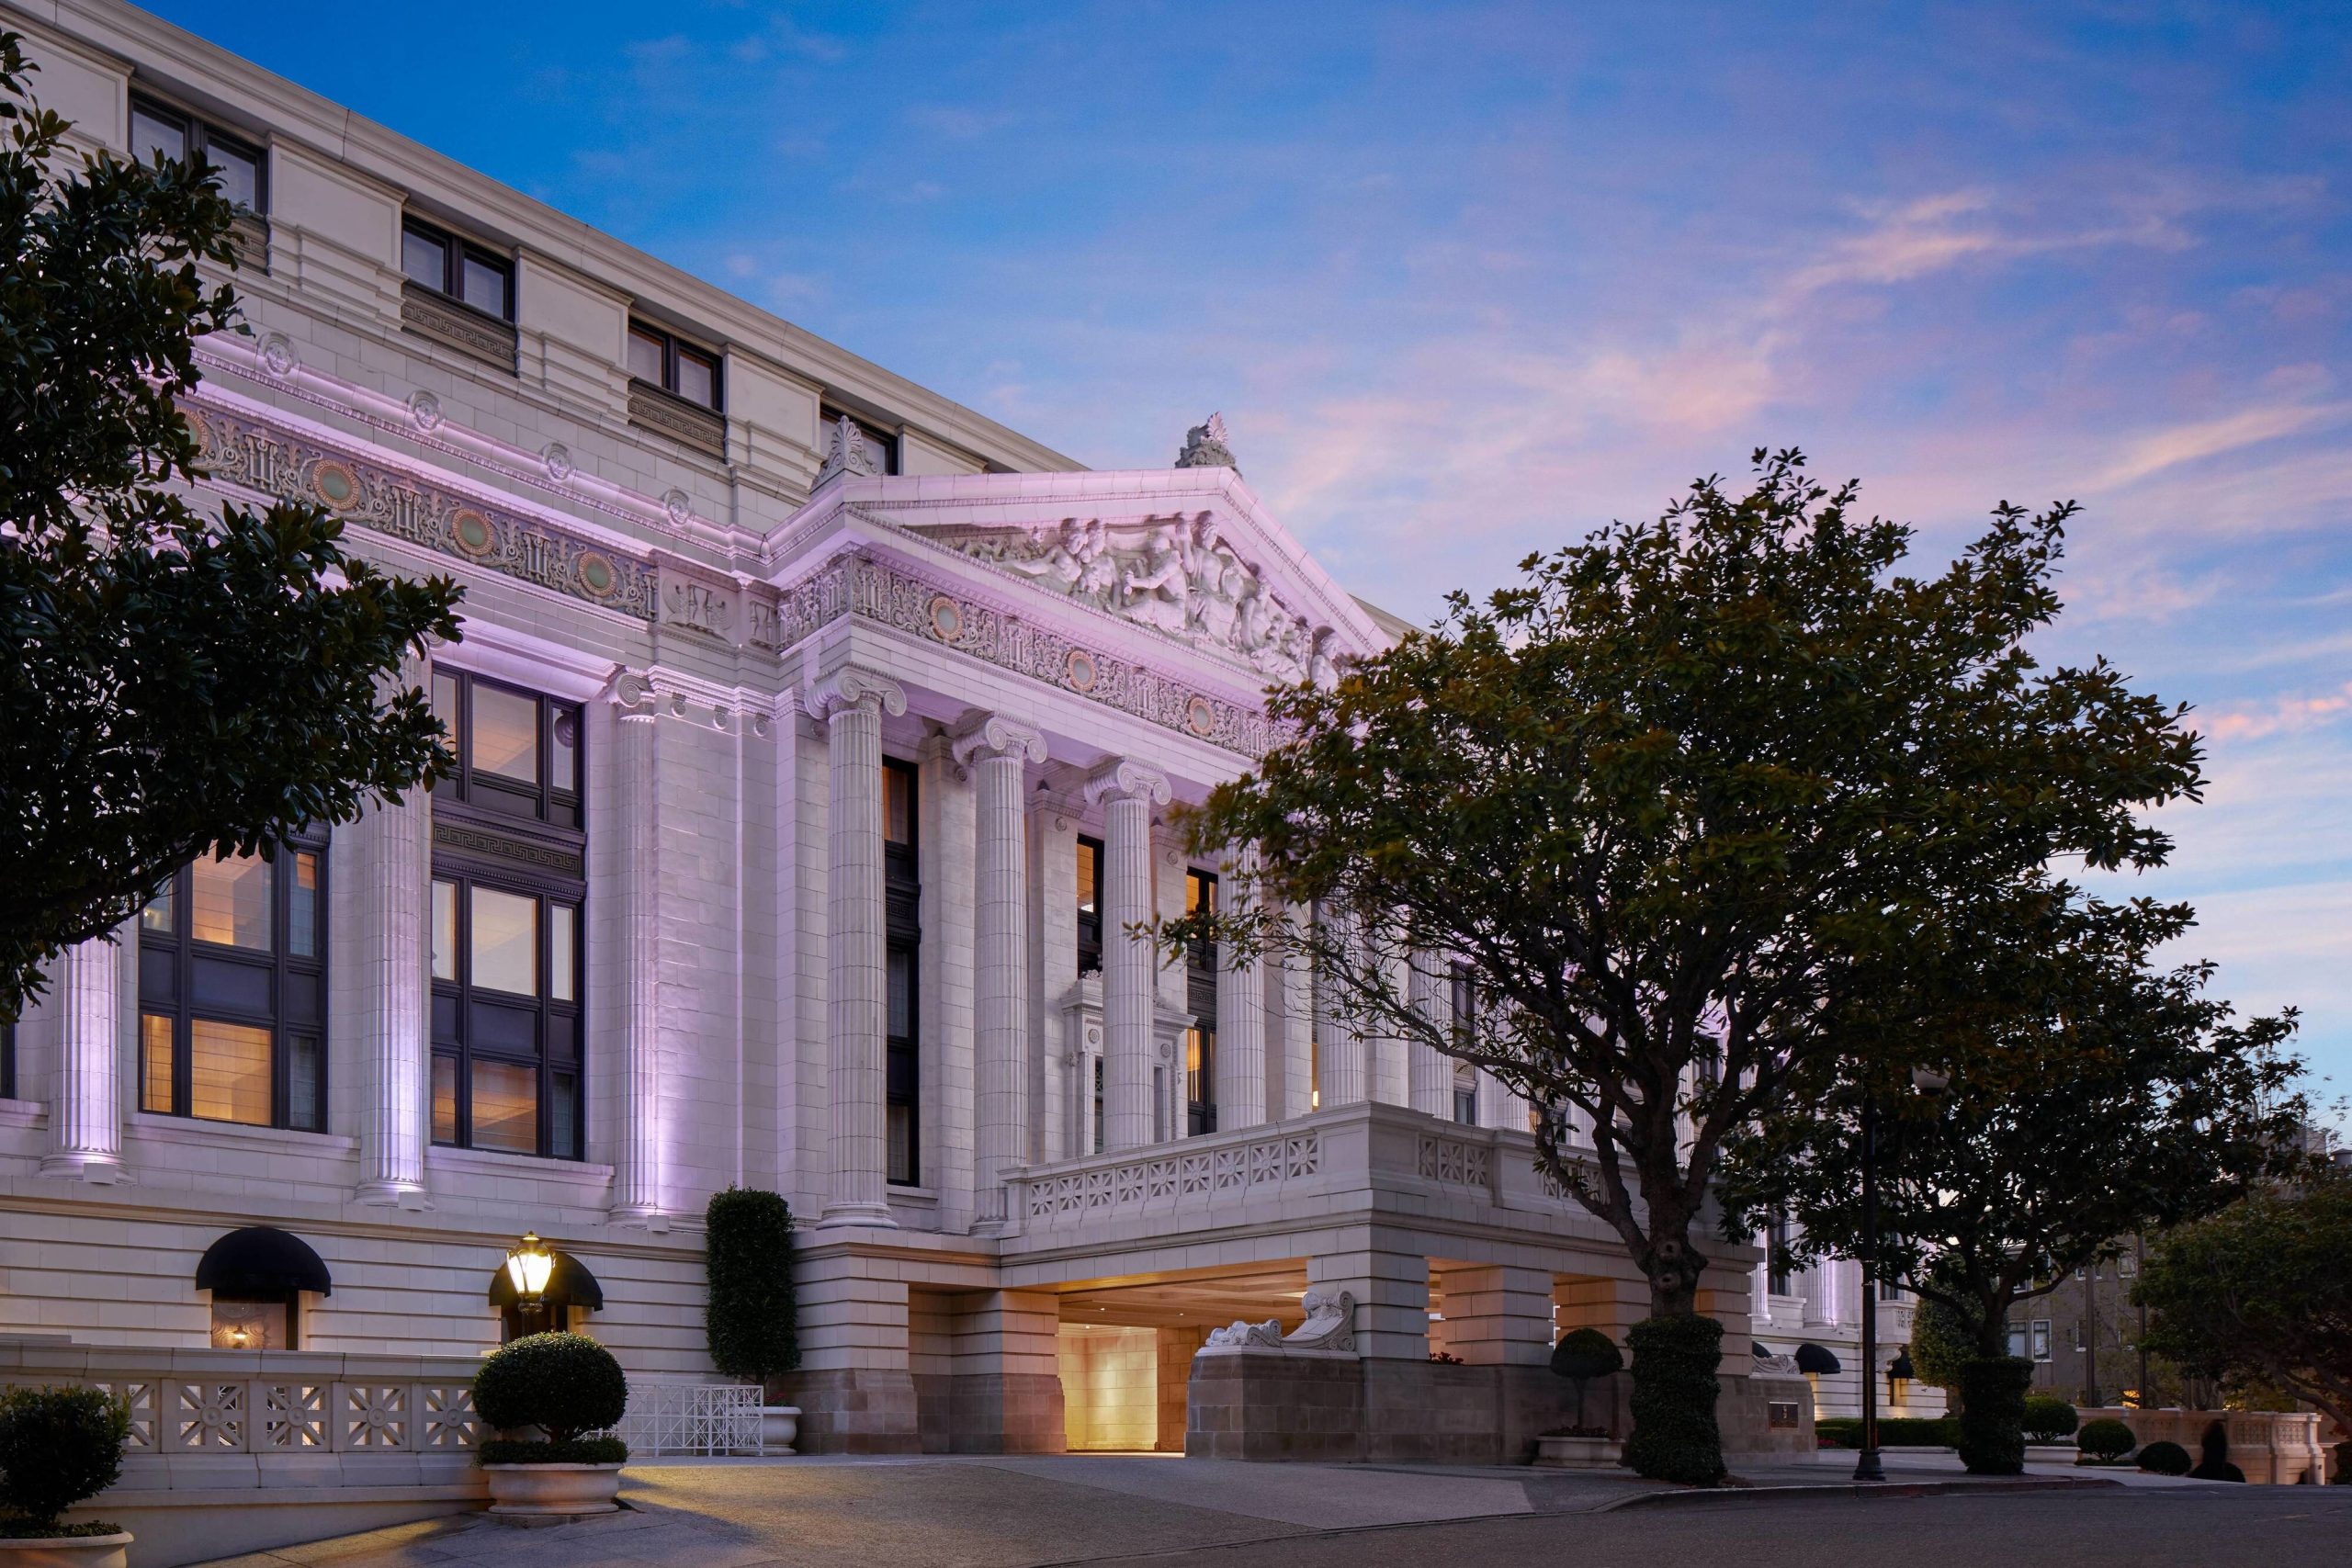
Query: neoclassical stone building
(815, 738)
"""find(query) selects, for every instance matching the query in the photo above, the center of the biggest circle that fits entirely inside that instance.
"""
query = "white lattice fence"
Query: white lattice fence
(692, 1418)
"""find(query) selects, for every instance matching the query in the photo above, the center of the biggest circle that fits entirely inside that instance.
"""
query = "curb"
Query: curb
(1705, 1495)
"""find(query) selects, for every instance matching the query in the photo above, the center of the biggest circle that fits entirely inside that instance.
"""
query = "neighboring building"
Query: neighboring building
(815, 740)
(2083, 1338)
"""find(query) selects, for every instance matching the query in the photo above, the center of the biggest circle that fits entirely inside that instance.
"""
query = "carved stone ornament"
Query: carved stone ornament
(558, 459)
(678, 504)
(1205, 446)
(631, 690)
(993, 735)
(424, 410)
(1242, 1335)
(848, 686)
(846, 452)
(1177, 575)
(1330, 1322)
(1121, 779)
(277, 356)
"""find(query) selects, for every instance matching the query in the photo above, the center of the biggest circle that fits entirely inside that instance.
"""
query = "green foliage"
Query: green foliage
(578, 1451)
(173, 680)
(1893, 1432)
(1675, 1437)
(1992, 1418)
(1586, 1353)
(751, 1319)
(2105, 1438)
(2165, 1459)
(2048, 1419)
(58, 1447)
(562, 1383)
(1944, 1340)
(2213, 1455)
(2261, 1293)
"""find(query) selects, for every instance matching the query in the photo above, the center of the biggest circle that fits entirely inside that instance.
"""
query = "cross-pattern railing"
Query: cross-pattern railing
(692, 1418)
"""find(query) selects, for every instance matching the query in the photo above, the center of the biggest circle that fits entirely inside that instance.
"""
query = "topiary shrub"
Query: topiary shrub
(1582, 1355)
(562, 1383)
(2213, 1456)
(2049, 1420)
(1675, 1436)
(2165, 1459)
(751, 1319)
(2343, 1464)
(2105, 1438)
(58, 1447)
(1991, 1415)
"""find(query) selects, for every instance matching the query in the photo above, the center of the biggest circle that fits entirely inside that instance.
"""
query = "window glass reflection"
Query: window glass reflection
(229, 902)
(505, 945)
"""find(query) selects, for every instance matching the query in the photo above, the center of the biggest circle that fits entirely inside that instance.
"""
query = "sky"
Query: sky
(1467, 281)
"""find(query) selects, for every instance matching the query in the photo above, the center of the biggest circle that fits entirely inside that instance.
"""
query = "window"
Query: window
(254, 1323)
(506, 966)
(2016, 1342)
(1090, 906)
(233, 991)
(2126, 1267)
(517, 752)
(472, 275)
(1097, 1104)
(1780, 1277)
(901, 898)
(1462, 994)
(660, 360)
(157, 130)
(2039, 1338)
(1200, 987)
(884, 448)
(1888, 1291)
(1466, 1094)
(8, 1061)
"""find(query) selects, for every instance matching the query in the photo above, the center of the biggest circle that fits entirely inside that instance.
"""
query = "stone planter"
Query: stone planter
(66, 1552)
(539, 1490)
(779, 1427)
(2051, 1453)
(1579, 1453)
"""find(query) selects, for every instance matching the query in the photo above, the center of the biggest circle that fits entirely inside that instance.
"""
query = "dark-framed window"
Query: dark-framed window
(1089, 904)
(509, 972)
(243, 170)
(659, 359)
(232, 956)
(1779, 1274)
(1463, 995)
(902, 949)
(1200, 997)
(472, 275)
(884, 446)
(518, 752)
(8, 1061)
(1466, 1095)
(257, 1320)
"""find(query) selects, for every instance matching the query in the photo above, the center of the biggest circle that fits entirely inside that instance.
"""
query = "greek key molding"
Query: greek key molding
(474, 841)
(276, 462)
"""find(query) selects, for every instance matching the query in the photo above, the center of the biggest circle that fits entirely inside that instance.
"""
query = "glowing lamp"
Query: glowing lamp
(530, 1265)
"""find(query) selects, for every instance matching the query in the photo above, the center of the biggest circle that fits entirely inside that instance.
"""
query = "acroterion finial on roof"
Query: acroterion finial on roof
(1205, 446)
(847, 453)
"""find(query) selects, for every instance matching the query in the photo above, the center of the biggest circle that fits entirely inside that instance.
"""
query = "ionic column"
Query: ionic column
(1429, 1072)
(636, 1162)
(851, 702)
(394, 862)
(997, 751)
(85, 1107)
(1345, 1075)
(1240, 1013)
(1127, 791)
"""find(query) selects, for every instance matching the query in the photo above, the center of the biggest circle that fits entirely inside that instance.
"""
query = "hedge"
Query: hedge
(1991, 1415)
(58, 1447)
(752, 1320)
(2106, 1438)
(2048, 1419)
(2165, 1459)
(562, 1383)
(1675, 1436)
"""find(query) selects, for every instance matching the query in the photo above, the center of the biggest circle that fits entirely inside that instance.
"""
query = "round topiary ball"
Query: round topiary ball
(2165, 1459)
(1586, 1353)
(562, 1383)
(58, 1446)
(2105, 1438)
(2047, 1420)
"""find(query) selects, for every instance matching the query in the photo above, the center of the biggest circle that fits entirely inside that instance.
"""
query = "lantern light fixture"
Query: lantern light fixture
(530, 1265)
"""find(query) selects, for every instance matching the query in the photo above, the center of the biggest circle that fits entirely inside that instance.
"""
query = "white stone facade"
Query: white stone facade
(756, 610)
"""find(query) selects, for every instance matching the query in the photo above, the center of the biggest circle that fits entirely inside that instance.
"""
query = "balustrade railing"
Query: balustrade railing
(668, 1418)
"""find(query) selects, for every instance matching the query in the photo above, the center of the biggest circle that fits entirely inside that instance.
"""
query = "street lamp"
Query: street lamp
(1926, 1081)
(529, 1267)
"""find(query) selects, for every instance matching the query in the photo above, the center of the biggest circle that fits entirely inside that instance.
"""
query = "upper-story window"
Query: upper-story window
(1089, 904)
(882, 446)
(1780, 1236)
(902, 947)
(508, 968)
(517, 751)
(1462, 994)
(471, 274)
(158, 128)
(233, 991)
(8, 1061)
(660, 359)
(1200, 997)
(1466, 1094)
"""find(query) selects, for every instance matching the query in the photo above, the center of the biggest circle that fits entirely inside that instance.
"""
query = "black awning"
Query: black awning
(1817, 1359)
(261, 1261)
(1755, 1349)
(569, 1283)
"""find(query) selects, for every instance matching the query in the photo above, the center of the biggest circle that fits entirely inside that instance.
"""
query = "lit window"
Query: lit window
(517, 752)
(506, 1017)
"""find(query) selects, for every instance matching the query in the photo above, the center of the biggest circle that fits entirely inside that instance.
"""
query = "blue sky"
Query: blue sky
(1467, 279)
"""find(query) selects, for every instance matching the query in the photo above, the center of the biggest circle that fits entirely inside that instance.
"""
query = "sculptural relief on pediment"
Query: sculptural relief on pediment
(1177, 575)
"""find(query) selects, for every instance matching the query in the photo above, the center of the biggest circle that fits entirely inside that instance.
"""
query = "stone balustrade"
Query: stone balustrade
(2279, 1448)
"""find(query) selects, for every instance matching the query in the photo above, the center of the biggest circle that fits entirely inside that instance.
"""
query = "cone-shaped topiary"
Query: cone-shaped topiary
(2165, 1459)
(751, 1319)
(562, 1383)
(2213, 1456)
(1991, 1415)
(58, 1447)
(1675, 1434)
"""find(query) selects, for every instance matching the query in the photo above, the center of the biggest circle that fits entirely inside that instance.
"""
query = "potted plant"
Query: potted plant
(1582, 1355)
(59, 1446)
(558, 1385)
(751, 1319)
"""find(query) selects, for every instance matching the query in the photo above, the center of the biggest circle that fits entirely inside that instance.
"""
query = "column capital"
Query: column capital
(982, 735)
(1118, 778)
(852, 687)
(631, 690)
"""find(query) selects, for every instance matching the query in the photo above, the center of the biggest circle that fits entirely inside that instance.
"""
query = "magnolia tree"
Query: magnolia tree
(1676, 803)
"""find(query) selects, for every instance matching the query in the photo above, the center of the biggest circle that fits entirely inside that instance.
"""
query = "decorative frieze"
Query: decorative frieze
(438, 319)
(278, 463)
(699, 429)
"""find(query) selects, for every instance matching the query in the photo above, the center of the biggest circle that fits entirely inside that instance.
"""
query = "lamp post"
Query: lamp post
(529, 1267)
(1930, 1083)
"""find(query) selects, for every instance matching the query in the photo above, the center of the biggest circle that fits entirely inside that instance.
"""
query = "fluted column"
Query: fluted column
(1127, 791)
(851, 702)
(1345, 1074)
(1428, 1071)
(997, 749)
(395, 866)
(1240, 1012)
(85, 1107)
(636, 1162)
